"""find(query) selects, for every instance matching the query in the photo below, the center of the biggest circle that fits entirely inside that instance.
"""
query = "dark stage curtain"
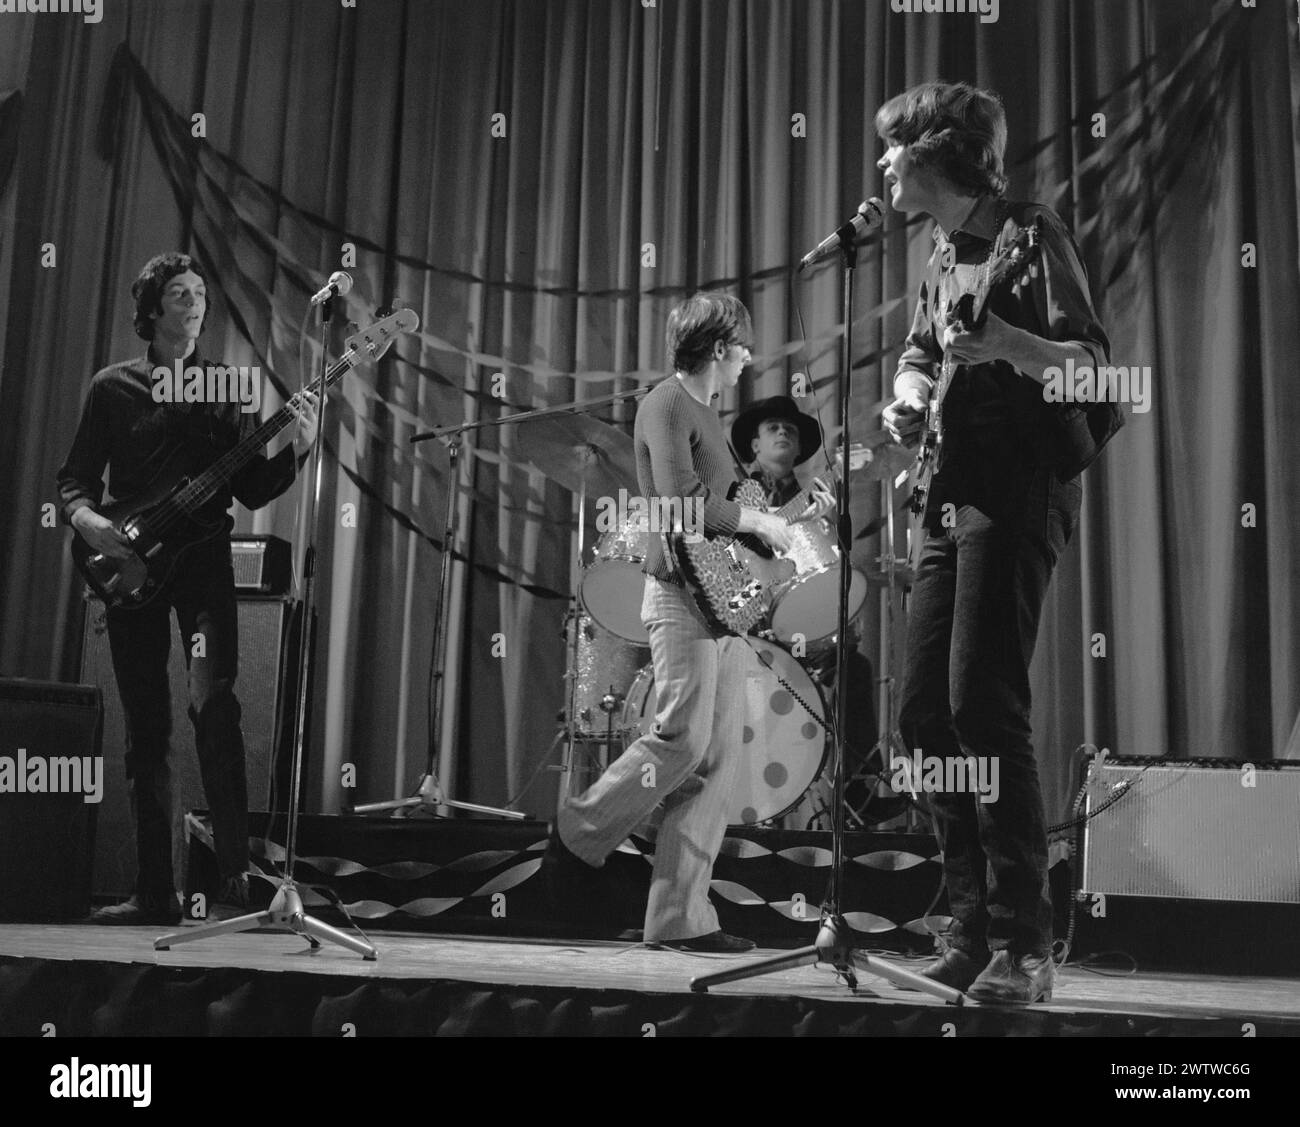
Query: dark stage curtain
(645, 151)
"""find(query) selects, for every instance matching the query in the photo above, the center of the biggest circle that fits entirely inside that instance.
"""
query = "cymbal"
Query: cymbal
(569, 447)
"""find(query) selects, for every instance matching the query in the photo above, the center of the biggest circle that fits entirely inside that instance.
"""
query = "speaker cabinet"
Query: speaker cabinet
(1195, 830)
(49, 766)
(262, 625)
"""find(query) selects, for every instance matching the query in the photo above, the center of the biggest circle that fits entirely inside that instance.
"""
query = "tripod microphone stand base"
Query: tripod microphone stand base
(284, 914)
(428, 796)
(833, 947)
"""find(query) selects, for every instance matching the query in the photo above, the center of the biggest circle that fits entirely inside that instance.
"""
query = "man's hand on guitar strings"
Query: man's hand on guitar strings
(905, 417)
(823, 502)
(771, 529)
(304, 433)
(99, 532)
(994, 340)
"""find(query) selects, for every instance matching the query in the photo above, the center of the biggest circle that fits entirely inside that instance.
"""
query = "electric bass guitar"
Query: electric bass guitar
(967, 314)
(162, 522)
(735, 580)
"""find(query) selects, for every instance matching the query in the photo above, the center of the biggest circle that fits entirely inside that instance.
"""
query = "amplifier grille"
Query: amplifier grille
(261, 564)
(1194, 831)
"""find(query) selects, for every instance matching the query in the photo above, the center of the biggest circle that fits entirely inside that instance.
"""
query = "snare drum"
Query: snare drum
(808, 604)
(784, 747)
(613, 584)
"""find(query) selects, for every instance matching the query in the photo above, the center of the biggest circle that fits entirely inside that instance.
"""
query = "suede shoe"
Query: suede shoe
(139, 911)
(956, 968)
(1015, 980)
(714, 943)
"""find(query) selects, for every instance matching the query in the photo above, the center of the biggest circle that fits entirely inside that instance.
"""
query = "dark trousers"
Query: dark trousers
(972, 623)
(203, 595)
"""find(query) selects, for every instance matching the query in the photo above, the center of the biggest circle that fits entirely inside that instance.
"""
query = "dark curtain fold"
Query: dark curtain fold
(11, 109)
(647, 152)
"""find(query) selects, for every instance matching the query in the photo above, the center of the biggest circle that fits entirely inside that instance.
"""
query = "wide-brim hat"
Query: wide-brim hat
(745, 428)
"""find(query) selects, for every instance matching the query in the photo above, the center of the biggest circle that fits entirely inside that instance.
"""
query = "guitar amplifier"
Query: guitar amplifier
(52, 765)
(1213, 829)
(263, 625)
(263, 564)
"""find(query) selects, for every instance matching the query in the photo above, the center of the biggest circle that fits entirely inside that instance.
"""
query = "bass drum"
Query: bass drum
(784, 746)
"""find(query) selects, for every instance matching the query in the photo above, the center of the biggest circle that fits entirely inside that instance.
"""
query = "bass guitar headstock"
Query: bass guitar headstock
(376, 339)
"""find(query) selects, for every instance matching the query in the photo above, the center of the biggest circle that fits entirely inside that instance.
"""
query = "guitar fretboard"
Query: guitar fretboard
(206, 485)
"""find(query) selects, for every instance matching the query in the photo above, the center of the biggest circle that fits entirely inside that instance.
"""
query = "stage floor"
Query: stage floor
(1087, 1001)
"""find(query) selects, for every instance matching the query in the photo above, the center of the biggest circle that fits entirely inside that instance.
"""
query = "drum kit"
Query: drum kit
(611, 684)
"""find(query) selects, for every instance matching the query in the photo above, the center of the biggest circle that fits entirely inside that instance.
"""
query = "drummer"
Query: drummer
(772, 437)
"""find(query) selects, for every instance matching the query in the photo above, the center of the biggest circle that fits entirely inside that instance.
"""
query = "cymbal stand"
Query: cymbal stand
(834, 943)
(429, 795)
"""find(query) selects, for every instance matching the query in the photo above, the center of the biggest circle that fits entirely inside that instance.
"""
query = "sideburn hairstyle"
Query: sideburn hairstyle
(953, 129)
(702, 320)
(148, 287)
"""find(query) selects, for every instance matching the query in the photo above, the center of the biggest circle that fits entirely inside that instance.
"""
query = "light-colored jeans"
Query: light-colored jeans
(687, 761)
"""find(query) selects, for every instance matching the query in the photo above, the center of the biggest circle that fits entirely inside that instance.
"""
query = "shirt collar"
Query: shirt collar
(980, 223)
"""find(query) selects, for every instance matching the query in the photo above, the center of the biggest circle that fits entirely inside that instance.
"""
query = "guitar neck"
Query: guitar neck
(800, 501)
(947, 370)
(204, 487)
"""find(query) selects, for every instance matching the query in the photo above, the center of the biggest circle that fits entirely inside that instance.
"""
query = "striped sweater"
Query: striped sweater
(682, 455)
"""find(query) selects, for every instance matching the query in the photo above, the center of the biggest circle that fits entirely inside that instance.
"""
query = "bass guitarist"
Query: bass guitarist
(123, 428)
(1000, 512)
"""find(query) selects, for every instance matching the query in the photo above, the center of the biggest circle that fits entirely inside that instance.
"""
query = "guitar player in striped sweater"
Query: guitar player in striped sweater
(688, 759)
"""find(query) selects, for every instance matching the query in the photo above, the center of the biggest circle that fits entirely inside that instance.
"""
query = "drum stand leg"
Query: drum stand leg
(891, 747)
(571, 674)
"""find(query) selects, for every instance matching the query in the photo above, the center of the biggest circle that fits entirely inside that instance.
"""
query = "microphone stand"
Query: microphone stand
(286, 912)
(834, 943)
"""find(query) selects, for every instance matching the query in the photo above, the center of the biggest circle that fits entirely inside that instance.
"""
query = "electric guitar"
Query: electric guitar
(966, 315)
(162, 521)
(735, 579)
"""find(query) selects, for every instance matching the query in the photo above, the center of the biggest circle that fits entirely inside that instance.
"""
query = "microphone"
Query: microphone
(871, 213)
(338, 285)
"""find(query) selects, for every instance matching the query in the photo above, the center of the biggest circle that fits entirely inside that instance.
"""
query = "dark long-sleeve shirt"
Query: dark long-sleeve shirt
(121, 427)
(998, 425)
(682, 454)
